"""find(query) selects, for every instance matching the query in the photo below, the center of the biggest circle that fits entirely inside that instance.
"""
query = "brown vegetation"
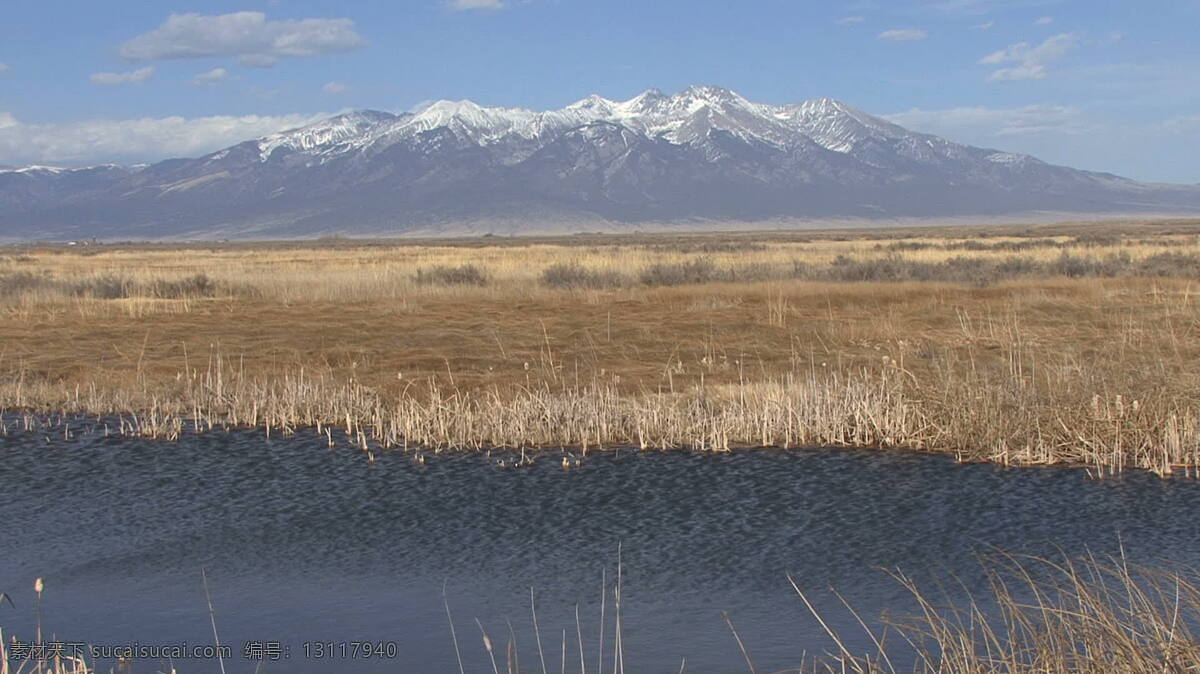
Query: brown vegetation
(1034, 346)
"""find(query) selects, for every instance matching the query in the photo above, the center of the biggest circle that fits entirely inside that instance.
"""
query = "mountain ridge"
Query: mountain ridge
(703, 154)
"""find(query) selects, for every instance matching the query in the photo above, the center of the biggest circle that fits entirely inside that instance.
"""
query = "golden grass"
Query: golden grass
(1038, 369)
(1045, 616)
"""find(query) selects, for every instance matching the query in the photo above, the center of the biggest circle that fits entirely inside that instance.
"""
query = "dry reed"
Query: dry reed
(1088, 368)
(1040, 616)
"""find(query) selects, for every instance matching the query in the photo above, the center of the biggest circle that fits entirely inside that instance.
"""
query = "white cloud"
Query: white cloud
(1044, 21)
(846, 20)
(335, 88)
(986, 25)
(214, 76)
(1029, 61)
(903, 34)
(977, 124)
(466, 5)
(132, 77)
(250, 36)
(3, 67)
(147, 139)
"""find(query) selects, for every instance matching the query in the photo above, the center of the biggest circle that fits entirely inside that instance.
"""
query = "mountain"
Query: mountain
(705, 155)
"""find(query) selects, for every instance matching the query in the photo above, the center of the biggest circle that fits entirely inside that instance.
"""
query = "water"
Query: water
(303, 544)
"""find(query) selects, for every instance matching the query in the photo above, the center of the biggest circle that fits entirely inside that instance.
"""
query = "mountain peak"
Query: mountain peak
(594, 102)
(642, 102)
(711, 94)
(446, 109)
(325, 133)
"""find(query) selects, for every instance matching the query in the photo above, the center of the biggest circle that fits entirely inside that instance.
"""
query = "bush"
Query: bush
(574, 276)
(1170, 265)
(706, 247)
(107, 287)
(1079, 267)
(1096, 240)
(193, 286)
(700, 270)
(444, 275)
(23, 282)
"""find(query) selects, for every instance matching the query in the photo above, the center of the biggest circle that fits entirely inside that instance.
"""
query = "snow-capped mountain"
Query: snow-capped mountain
(703, 154)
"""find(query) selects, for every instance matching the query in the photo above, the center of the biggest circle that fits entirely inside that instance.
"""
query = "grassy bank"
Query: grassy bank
(1022, 346)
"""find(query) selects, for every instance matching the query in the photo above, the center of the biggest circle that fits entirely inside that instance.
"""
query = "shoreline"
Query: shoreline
(870, 413)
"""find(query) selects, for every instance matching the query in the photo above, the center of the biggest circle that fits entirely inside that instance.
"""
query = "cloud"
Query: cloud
(986, 25)
(977, 124)
(467, 5)
(132, 77)
(127, 140)
(1044, 21)
(250, 36)
(4, 67)
(847, 20)
(214, 76)
(1030, 61)
(335, 88)
(903, 34)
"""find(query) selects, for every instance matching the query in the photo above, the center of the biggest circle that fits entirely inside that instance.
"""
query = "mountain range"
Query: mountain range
(704, 156)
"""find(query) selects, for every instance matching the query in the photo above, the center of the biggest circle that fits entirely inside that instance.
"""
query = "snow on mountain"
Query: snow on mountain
(834, 125)
(683, 118)
(324, 134)
(703, 153)
(57, 170)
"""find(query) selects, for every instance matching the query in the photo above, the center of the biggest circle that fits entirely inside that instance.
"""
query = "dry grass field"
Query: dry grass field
(1024, 345)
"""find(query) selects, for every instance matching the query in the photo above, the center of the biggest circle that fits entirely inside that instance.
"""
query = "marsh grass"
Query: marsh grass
(1046, 616)
(1077, 352)
(1036, 615)
(45, 658)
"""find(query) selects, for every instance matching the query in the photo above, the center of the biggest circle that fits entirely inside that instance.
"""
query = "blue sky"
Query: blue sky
(1103, 85)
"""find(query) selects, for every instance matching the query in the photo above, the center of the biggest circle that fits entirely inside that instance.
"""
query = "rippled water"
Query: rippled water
(307, 544)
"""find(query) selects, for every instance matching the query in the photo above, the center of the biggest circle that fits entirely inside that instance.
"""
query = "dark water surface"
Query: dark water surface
(306, 544)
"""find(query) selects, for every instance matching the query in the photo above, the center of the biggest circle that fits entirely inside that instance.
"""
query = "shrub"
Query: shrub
(574, 276)
(193, 286)
(700, 270)
(1097, 240)
(444, 275)
(23, 282)
(107, 287)
(1169, 265)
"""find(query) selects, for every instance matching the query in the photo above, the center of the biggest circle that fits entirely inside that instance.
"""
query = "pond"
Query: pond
(307, 548)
